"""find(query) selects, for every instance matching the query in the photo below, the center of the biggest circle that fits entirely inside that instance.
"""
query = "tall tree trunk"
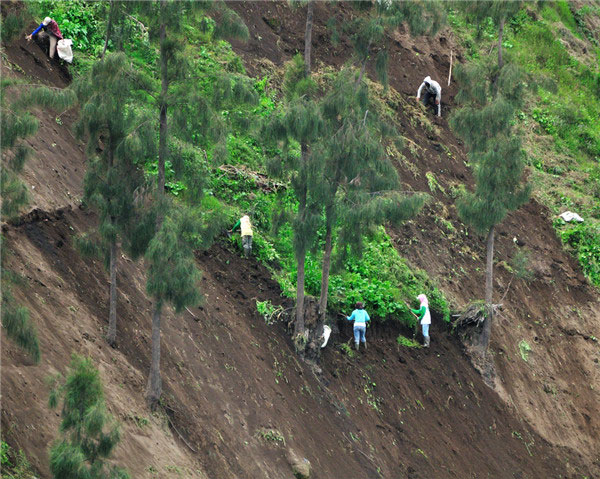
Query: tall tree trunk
(108, 26)
(154, 382)
(326, 263)
(111, 336)
(299, 323)
(308, 36)
(500, 36)
(162, 140)
(301, 254)
(486, 333)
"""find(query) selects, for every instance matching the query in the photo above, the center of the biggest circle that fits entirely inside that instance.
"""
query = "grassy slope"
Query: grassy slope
(562, 120)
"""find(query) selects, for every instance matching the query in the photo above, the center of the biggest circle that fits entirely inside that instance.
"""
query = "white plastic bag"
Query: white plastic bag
(569, 216)
(63, 47)
(326, 334)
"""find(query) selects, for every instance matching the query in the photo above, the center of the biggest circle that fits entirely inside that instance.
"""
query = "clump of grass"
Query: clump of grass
(407, 342)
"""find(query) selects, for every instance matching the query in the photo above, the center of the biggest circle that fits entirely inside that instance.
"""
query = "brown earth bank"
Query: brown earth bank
(236, 396)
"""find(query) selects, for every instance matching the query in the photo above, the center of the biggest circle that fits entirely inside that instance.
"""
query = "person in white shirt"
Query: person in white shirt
(431, 91)
(424, 316)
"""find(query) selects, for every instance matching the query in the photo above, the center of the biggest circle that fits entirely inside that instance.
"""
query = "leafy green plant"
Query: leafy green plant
(271, 435)
(524, 350)
(268, 311)
(347, 350)
(4, 451)
(584, 238)
(407, 342)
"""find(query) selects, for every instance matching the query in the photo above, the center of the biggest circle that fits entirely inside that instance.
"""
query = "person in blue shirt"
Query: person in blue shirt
(360, 318)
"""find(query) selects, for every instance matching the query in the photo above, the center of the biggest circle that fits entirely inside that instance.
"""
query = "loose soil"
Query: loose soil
(237, 397)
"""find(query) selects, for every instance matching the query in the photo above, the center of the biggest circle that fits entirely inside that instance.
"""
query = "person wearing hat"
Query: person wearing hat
(424, 316)
(432, 91)
(51, 29)
(246, 231)
(360, 318)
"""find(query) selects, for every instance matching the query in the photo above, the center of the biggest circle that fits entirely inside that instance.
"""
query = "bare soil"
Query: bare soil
(236, 396)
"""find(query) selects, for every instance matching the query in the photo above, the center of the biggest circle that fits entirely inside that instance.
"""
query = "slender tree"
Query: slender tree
(192, 117)
(300, 120)
(117, 138)
(88, 433)
(490, 97)
(356, 183)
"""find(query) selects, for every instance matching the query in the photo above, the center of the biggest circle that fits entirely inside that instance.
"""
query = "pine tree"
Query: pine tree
(17, 124)
(299, 121)
(89, 434)
(117, 138)
(490, 96)
(357, 185)
(192, 117)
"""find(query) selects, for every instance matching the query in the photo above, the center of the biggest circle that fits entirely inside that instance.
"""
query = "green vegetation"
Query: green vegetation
(524, 350)
(88, 433)
(407, 342)
(560, 119)
(14, 465)
(268, 311)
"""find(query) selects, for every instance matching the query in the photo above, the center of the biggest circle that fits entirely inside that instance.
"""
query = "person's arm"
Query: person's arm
(438, 94)
(237, 225)
(351, 318)
(28, 37)
(420, 312)
(37, 29)
(367, 315)
(419, 90)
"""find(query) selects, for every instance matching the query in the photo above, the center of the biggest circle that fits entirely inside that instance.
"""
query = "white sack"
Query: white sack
(569, 216)
(326, 334)
(63, 47)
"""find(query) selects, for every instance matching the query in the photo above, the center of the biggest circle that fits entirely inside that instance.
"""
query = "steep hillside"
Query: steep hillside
(237, 399)
(557, 314)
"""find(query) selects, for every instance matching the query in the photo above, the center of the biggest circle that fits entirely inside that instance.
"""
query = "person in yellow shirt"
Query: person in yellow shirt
(246, 231)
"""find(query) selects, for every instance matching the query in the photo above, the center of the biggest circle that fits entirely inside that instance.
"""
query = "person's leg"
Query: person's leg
(426, 335)
(246, 245)
(363, 333)
(429, 101)
(356, 336)
(53, 41)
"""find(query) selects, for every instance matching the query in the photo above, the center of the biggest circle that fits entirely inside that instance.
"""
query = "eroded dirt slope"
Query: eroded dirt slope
(557, 314)
(234, 390)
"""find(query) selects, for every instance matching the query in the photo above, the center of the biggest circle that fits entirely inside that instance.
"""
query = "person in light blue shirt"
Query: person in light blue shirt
(360, 318)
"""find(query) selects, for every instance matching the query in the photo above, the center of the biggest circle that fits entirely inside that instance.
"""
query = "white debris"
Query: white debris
(326, 334)
(569, 216)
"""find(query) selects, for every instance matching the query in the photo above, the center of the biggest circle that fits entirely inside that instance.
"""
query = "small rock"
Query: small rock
(300, 466)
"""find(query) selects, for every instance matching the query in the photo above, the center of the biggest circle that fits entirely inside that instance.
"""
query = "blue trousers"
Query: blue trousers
(425, 329)
(359, 333)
